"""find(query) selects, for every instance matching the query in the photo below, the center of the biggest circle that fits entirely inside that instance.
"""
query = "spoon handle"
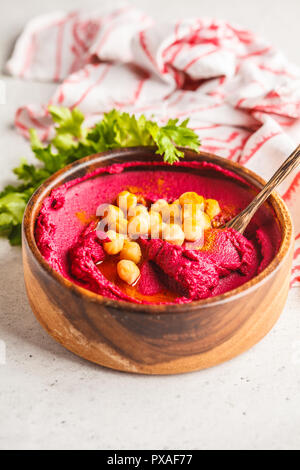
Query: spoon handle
(241, 221)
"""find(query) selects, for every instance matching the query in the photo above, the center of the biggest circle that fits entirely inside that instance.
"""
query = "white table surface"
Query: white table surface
(51, 399)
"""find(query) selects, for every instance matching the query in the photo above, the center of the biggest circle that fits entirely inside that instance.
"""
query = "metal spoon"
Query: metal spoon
(240, 221)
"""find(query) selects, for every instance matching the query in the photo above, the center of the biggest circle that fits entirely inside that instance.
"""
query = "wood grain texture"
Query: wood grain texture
(154, 339)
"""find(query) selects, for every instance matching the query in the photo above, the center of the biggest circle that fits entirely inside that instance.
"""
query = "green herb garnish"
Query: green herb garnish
(72, 141)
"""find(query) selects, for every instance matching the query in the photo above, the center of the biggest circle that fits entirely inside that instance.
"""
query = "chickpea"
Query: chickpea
(173, 233)
(131, 251)
(128, 271)
(159, 205)
(115, 245)
(171, 213)
(192, 210)
(155, 218)
(112, 212)
(192, 230)
(126, 200)
(155, 232)
(112, 215)
(138, 210)
(122, 226)
(191, 198)
(141, 200)
(138, 225)
(204, 221)
(156, 225)
(212, 208)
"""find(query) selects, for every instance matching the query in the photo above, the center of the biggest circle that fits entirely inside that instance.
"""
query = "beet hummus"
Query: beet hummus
(67, 235)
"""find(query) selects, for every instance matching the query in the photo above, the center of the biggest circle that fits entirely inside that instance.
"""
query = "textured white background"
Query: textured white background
(51, 399)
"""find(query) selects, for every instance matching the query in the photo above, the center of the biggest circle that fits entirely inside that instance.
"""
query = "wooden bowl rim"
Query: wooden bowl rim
(275, 200)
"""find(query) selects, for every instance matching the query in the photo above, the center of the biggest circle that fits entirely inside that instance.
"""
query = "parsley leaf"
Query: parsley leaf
(73, 141)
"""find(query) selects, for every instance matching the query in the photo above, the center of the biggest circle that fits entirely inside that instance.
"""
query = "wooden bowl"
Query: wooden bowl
(154, 339)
